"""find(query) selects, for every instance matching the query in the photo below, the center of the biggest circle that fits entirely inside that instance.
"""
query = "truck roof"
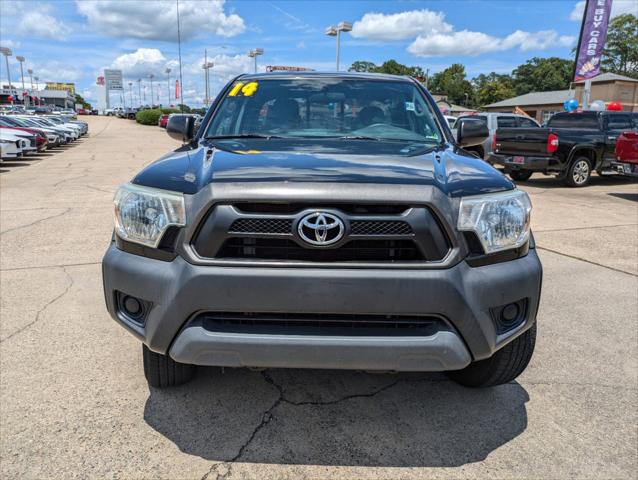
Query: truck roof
(310, 74)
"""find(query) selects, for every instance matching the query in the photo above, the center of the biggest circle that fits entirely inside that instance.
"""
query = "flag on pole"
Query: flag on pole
(177, 89)
(593, 33)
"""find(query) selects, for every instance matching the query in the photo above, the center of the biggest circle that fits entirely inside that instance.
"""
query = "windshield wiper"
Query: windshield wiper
(359, 137)
(243, 135)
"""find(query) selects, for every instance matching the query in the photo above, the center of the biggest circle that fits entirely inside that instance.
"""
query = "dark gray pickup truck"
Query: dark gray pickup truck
(321, 220)
(571, 147)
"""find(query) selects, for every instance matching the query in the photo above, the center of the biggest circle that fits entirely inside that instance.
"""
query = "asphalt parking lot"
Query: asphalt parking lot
(75, 404)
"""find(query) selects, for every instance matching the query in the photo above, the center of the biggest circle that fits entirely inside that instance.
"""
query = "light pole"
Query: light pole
(38, 90)
(151, 76)
(254, 53)
(207, 66)
(7, 53)
(25, 98)
(336, 32)
(130, 91)
(30, 72)
(139, 90)
(168, 86)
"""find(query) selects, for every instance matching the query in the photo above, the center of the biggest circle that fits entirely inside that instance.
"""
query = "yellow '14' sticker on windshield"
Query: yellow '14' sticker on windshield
(246, 90)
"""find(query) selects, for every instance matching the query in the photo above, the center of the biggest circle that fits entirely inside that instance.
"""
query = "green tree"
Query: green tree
(620, 54)
(80, 101)
(393, 67)
(452, 82)
(492, 88)
(542, 75)
(362, 66)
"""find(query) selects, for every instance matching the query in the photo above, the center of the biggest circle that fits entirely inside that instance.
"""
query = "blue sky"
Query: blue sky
(74, 41)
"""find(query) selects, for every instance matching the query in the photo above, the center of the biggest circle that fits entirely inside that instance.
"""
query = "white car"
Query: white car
(11, 145)
(30, 144)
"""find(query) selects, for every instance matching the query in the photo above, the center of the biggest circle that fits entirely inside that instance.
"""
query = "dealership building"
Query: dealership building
(608, 87)
(54, 94)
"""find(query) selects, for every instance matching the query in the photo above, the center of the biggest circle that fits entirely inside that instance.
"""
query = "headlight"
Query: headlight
(500, 220)
(143, 214)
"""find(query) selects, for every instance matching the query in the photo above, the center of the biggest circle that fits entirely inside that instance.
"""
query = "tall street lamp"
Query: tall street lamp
(207, 66)
(336, 32)
(25, 98)
(254, 53)
(168, 86)
(151, 76)
(30, 72)
(38, 90)
(139, 90)
(130, 91)
(7, 53)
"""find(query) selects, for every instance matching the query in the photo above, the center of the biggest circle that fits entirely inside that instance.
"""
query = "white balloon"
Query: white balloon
(597, 105)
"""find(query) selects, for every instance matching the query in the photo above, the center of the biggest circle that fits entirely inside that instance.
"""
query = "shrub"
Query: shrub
(169, 110)
(148, 117)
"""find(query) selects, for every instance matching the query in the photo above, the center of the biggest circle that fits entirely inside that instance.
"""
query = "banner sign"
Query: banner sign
(70, 87)
(593, 34)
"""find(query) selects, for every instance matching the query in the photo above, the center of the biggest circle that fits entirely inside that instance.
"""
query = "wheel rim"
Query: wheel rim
(581, 172)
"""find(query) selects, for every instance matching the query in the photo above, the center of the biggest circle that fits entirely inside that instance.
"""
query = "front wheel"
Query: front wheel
(578, 173)
(520, 175)
(162, 371)
(502, 367)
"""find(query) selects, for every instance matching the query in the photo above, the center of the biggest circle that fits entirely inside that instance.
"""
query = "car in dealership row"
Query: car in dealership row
(163, 120)
(626, 153)
(494, 121)
(572, 146)
(325, 220)
(14, 146)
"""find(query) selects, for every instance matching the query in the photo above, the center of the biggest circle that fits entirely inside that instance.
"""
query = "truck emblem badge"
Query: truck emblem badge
(321, 229)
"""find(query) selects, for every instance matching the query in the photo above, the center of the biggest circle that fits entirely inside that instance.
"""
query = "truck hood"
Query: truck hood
(449, 169)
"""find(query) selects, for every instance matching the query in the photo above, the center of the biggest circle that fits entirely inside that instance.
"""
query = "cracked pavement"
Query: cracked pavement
(74, 402)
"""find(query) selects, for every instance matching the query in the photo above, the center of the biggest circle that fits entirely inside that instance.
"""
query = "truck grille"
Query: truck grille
(322, 324)
(370, 233)
(353, 251)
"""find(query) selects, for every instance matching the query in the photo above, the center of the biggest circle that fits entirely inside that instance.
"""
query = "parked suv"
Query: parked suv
(572, 146)
(325, 221)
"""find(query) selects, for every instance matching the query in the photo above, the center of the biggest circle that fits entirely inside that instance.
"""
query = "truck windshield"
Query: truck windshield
(349, 109)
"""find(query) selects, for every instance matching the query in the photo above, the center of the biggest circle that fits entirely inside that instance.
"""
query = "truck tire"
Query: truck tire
(578, 172)
(502, 367)
(162, 371)
(520, 175)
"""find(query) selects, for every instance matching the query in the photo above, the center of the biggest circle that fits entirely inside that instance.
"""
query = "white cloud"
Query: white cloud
(157, 20)
(56, 71)
(225, 67)
(142, 63)
(10, 43)
(435, 37)
(542, 40)
(618, 7)
(33, 20)
(468, 43)
(400, 26)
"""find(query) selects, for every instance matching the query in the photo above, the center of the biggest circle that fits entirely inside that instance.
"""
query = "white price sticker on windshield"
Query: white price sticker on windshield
(409, 106)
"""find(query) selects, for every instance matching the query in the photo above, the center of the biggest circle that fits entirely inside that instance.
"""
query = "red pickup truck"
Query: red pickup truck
(626, 154)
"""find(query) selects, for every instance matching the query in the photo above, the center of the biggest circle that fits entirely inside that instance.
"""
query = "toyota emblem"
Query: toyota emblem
(321, 229)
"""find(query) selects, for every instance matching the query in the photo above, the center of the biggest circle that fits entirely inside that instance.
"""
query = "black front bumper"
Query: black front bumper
(465, 296)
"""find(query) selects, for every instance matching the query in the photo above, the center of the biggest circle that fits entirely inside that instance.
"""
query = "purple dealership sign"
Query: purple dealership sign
(592, 39)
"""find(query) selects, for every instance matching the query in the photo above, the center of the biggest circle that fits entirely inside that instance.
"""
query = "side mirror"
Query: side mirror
(471, 131)
(180, 127)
